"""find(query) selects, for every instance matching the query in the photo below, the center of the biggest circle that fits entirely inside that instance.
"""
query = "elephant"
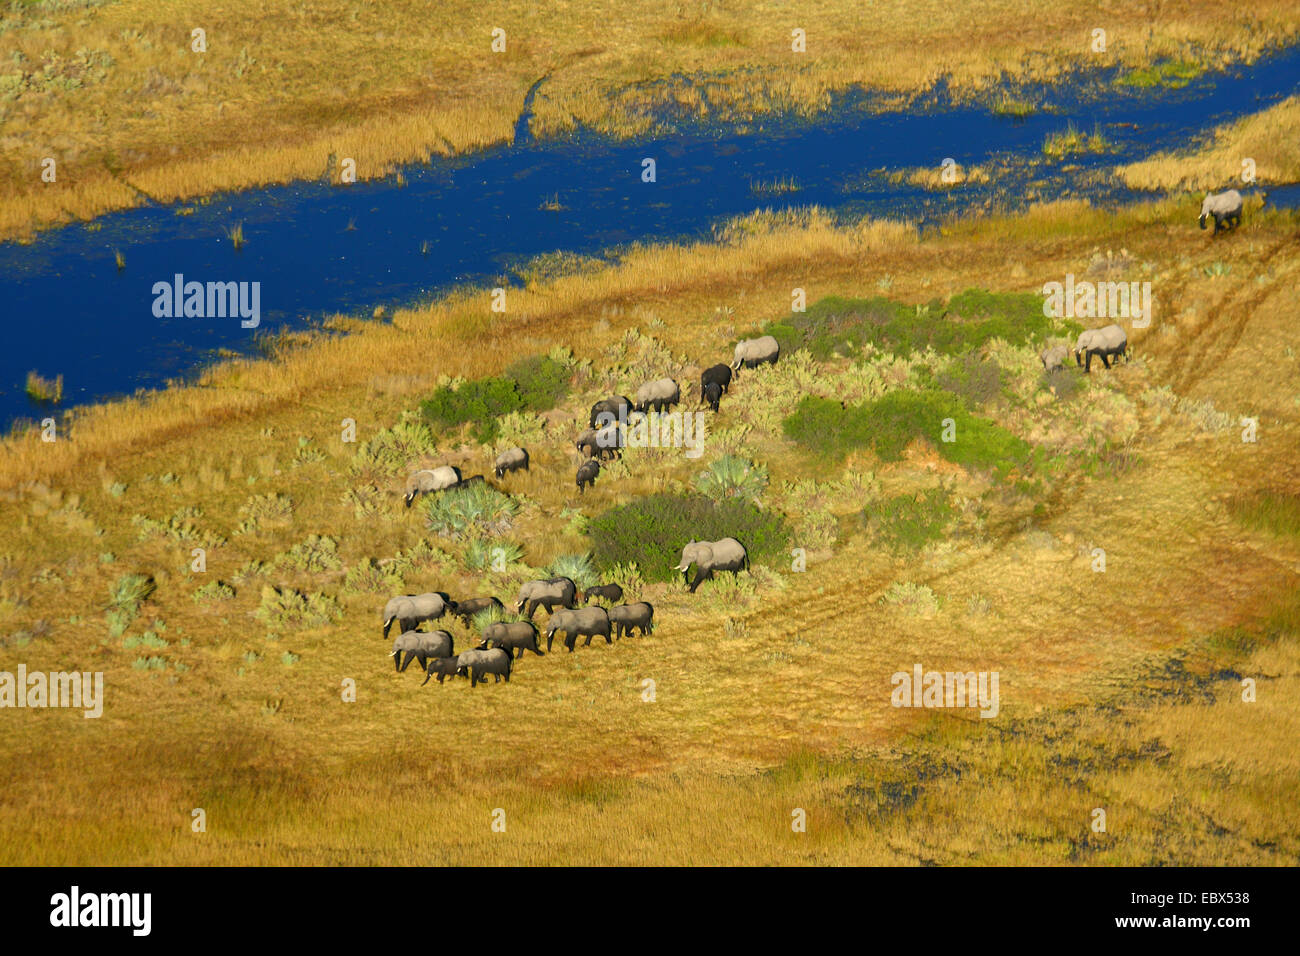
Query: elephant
(1225, 207)
(752, 352)
(411, 609)
(512, 636)
(601, 443)
(610, 592)
(468, 608)
(547, 594)
(587, 473)
(480, 663)
(721, 374)
(442, 667)
(575, 623)
(421, 647)
(512, 459)
(1053, 357)
(610, 410)
(431, 480)
(727, 554)
(712, 394)
(1104, 342)
(657, 395)
(627, 617)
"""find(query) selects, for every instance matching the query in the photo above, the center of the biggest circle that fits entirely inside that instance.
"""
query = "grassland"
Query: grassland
(1120, 690)
(1270, 137)
(114, 93)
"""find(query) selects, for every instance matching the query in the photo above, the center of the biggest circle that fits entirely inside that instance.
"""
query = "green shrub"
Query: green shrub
(289, 608)
(476, 509)
(125, 596)
(893, 421)
(393, 449)
(486, 554)
(317, 553)
(652, 531)
(909, 522)
(975, 380)
(578, 567)
(147, 639)
(839, 326)
(533, 384)
(370, 577)
(1275, 512)
(1064, 382)
(214, 591)
(732, 477)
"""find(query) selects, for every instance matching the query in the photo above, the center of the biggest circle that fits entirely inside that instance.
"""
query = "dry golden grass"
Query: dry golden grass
(114, 93)
(789, 711)
(1271, 138)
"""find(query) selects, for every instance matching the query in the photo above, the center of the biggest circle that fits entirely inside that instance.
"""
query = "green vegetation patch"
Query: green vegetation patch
(889, 424)
(909, 522)
(840, 326)
(534, 384)
(1174, 74)
(652, 531)
(1274, 512)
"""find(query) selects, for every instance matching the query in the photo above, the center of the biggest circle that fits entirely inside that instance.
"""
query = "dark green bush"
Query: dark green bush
(894, 420)
(653, 530)
(909, 522)
(975, 380)
(532, 384)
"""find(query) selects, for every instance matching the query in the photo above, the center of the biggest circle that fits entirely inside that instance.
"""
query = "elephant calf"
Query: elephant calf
(609, 592)
(727, 554)
(420, 646)
(627, 617)
(512, 636)
(442, 668)
(719, 375)
(1053, 357)
(712, 395)
(588, 621)
(587, 473)
(480, 663)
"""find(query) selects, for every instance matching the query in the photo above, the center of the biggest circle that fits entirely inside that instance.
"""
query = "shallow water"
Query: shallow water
(318, 249)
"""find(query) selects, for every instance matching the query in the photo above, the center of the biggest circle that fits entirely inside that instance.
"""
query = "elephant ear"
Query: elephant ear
(704, 555)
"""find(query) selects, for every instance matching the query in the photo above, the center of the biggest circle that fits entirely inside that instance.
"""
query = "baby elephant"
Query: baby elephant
(717, 374)
(442, 668)
(610, 592)
(627, 617)
(587, 474)
(480, 663)
(1053, 357)
(712, 394)
(512, 459)
(512, 636)
(420, 646)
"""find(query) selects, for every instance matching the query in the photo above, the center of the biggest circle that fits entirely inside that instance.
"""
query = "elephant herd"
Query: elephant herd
(502, 643)
(1104, 343)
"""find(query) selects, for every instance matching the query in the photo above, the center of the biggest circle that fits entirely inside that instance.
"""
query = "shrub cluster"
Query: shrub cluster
(532, 384)
(652, 531)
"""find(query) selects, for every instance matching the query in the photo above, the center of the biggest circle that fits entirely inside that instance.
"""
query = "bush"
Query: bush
(652, 531)
(477, 509)
(370, 577)
(577, 567)
(214, 591)
(889, 424)
(486, 554)
(286, 607)
(317, 553)
(732, 477)
(909, 522)
(533, 384)
(975, 380)
(392, 449)
(837, 325)
(124, 599)
(1275, 512)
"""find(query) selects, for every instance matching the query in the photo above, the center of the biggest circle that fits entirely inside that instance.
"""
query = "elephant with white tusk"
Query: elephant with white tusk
(416, 645)
(478, 664)
(430, 480)
(1225, 207)
(512, 459)
(548, 594)
(1104, 343)
(512, 636)
(412, 609)
(709, 556)
(575, 623)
